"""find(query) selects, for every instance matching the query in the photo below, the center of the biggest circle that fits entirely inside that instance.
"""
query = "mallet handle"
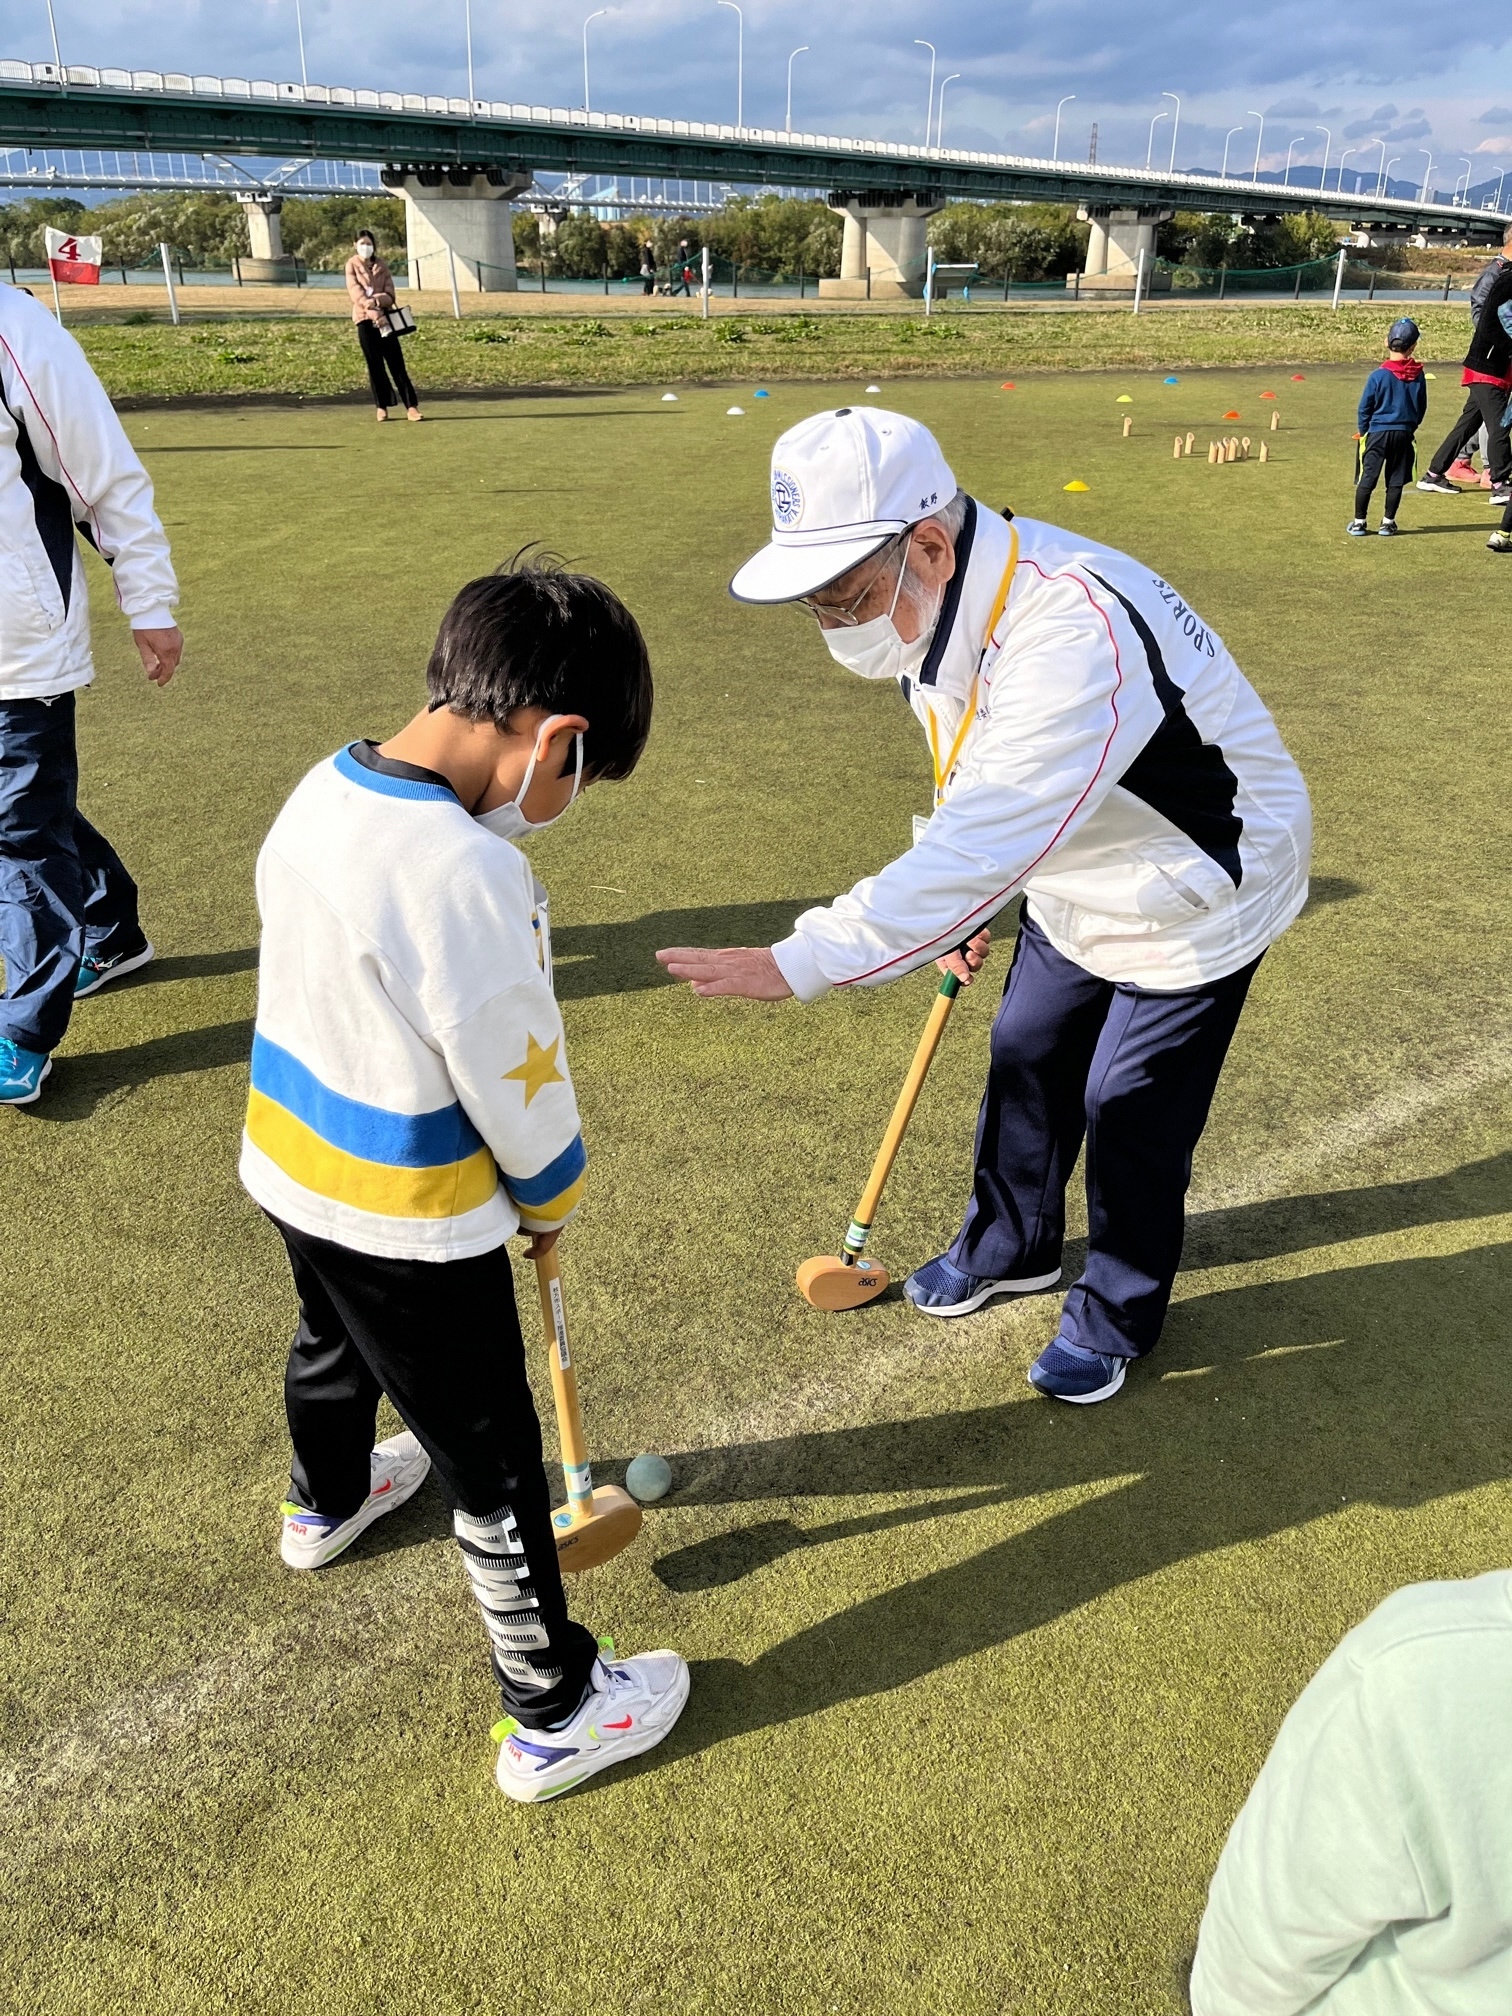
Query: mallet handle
(564, 1384)
(902, 1113)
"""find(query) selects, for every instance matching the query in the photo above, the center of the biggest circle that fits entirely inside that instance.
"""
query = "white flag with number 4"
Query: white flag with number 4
(75, 259)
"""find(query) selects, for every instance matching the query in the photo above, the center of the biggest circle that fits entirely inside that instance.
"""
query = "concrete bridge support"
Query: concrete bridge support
(466, 211)
(268, 261)
(1115, 240)
(886, 237)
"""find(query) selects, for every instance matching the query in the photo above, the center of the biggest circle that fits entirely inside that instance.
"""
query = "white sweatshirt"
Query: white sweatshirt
(65, 460)
(1117, 768)
(408, 1050)
(1370, 1871)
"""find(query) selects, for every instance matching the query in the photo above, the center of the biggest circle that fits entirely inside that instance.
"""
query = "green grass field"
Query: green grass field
(979, 1681)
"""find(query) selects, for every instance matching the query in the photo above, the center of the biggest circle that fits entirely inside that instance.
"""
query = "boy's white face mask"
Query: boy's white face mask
(508, 821)
(874, 650)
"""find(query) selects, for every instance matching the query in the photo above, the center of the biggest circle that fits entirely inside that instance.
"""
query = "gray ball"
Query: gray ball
(649, 1478)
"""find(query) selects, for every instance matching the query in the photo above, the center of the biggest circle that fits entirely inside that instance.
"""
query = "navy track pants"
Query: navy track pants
(1131, 1071)
(63, 889)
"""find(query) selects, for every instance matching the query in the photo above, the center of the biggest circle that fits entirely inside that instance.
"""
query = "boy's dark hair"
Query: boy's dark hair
(532, 634)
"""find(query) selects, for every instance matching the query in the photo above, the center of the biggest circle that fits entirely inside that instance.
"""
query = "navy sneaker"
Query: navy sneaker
(1357, 528)
(1067, 1372)
(21, 1073)
(939, 1289)
(97, 973)
(1387, 529)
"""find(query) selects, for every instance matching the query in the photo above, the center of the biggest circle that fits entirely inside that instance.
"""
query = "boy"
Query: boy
(410, 1110)
(1392, 408)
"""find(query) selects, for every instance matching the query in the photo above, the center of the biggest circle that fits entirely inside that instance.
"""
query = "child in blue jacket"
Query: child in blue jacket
(1392, 408)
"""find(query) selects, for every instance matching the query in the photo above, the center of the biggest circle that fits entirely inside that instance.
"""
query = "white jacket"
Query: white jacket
(1118, 769)
(408, 1050)
(65, 460)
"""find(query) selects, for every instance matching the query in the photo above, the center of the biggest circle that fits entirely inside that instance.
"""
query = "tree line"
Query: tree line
(777, 236)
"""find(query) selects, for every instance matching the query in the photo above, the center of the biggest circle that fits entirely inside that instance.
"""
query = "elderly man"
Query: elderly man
(68, 908)
(1097, 751)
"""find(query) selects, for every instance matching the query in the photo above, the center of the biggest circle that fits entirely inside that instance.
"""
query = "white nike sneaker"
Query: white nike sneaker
(400, 1467)
(630, 1707)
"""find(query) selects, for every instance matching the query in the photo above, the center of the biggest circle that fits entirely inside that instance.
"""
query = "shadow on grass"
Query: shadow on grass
(621, 958)
(1385, 1384)
(81, 1079)
(190, 966)
(243, 448)
(1324, 889)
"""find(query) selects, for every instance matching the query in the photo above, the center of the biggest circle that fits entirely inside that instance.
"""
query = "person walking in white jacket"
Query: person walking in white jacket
(68, 908)
(1097, 752)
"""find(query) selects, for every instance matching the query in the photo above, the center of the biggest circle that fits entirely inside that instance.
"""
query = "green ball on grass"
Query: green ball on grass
(649, 1478)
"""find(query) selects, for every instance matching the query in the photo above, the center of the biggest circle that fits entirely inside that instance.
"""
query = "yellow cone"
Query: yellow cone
(1123, 399)
(1078, 485)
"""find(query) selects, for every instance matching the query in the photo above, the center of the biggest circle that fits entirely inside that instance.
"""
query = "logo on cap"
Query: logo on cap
(787, 500)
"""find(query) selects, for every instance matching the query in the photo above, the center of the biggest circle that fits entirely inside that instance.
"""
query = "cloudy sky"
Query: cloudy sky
(1366, 74)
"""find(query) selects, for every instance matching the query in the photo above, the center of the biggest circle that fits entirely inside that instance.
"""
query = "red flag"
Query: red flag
(70, 258)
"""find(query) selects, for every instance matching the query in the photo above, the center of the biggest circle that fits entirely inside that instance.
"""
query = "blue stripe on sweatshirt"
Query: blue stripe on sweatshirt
(402, 1140)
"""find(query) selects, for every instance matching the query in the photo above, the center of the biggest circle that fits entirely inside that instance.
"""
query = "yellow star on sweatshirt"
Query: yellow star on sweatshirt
(539, 1067)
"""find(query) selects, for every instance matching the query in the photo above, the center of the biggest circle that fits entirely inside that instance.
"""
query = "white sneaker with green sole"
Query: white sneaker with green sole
(309, 1540)
(630, 1706)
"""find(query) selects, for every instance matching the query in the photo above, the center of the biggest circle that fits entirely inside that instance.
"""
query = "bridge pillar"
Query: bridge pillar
(466, 211)
(886, 238)
(269, 261)
(1114, 242)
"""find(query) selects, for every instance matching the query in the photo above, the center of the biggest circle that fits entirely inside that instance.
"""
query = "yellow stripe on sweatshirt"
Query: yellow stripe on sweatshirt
(545, 1217)
(446, 1191)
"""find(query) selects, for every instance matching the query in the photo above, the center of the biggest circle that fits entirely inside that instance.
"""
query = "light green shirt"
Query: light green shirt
(1370, 1871)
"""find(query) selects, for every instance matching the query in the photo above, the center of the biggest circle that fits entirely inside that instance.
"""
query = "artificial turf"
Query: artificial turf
(979, 1682)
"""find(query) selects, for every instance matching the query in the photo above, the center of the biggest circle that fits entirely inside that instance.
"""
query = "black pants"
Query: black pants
(1392, 453)
(442, 1340)
(1483, 408)
(384, 357)
(1133, 1071)
(63, 888)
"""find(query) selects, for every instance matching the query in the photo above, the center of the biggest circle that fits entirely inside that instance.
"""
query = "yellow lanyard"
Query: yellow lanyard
(943, 772)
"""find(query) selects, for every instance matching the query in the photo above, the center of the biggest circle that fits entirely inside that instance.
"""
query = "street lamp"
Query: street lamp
(1055, 150)
(929, 115)
(739, 61)
(801, 50)
(304, 75)
(1339, 185)
(1427, 177)
(1286, 178)
(1327, 144)
(467, 16)
(1223, 171)
(1382, 164)
(1385, 188)
(58, 53)
(1259, 142)
(1499, 181)
(1469, 171)
(940, 110)
(1150, 144)
(596, 15)
(1175, 128)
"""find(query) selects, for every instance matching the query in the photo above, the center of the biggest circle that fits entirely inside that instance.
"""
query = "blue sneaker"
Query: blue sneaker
(97, 973)
(21, 1073)
(1067, 1372)
(939, 1289)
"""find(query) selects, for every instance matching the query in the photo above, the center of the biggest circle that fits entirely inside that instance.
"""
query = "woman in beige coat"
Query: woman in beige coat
(371, 286)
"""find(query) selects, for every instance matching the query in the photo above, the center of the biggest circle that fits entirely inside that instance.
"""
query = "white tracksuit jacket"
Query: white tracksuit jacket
(1119, 770)
(65, 460)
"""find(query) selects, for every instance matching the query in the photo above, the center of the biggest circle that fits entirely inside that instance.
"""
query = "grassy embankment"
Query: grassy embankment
(315, 356)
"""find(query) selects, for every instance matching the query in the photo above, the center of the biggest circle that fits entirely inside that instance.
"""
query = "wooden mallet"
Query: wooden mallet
(593, 1526)
(846, 1280)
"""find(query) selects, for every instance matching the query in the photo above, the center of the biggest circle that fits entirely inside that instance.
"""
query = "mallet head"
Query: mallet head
(828, 1282)
(588, 1539)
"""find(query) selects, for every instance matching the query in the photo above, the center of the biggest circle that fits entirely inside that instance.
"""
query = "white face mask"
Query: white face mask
(364, 250)
(508, 822)
(874, 650)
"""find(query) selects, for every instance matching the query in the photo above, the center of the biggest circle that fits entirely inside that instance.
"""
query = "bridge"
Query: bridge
(459, 162)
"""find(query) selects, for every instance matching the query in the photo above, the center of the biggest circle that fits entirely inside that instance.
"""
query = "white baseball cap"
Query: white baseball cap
(843, 483)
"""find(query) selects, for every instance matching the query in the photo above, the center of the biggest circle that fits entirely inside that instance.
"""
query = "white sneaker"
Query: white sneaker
(630, 1707)
(309, 1540)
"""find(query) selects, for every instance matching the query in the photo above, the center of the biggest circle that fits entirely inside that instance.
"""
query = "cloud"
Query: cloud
(1500, 143)
(1293, 108)
(1412, 129)
(1495, 115)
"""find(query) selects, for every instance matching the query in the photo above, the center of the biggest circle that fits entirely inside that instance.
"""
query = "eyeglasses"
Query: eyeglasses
(844, 613)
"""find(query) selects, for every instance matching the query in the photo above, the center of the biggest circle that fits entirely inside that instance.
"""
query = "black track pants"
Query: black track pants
(1388, 453)
(442, 1340)
(1483, 408)
(384, 357)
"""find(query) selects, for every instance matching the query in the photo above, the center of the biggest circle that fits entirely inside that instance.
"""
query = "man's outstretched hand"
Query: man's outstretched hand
(160, 652)
(747, 970)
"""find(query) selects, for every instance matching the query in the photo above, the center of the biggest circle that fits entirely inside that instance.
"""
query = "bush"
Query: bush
(1033, 241)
